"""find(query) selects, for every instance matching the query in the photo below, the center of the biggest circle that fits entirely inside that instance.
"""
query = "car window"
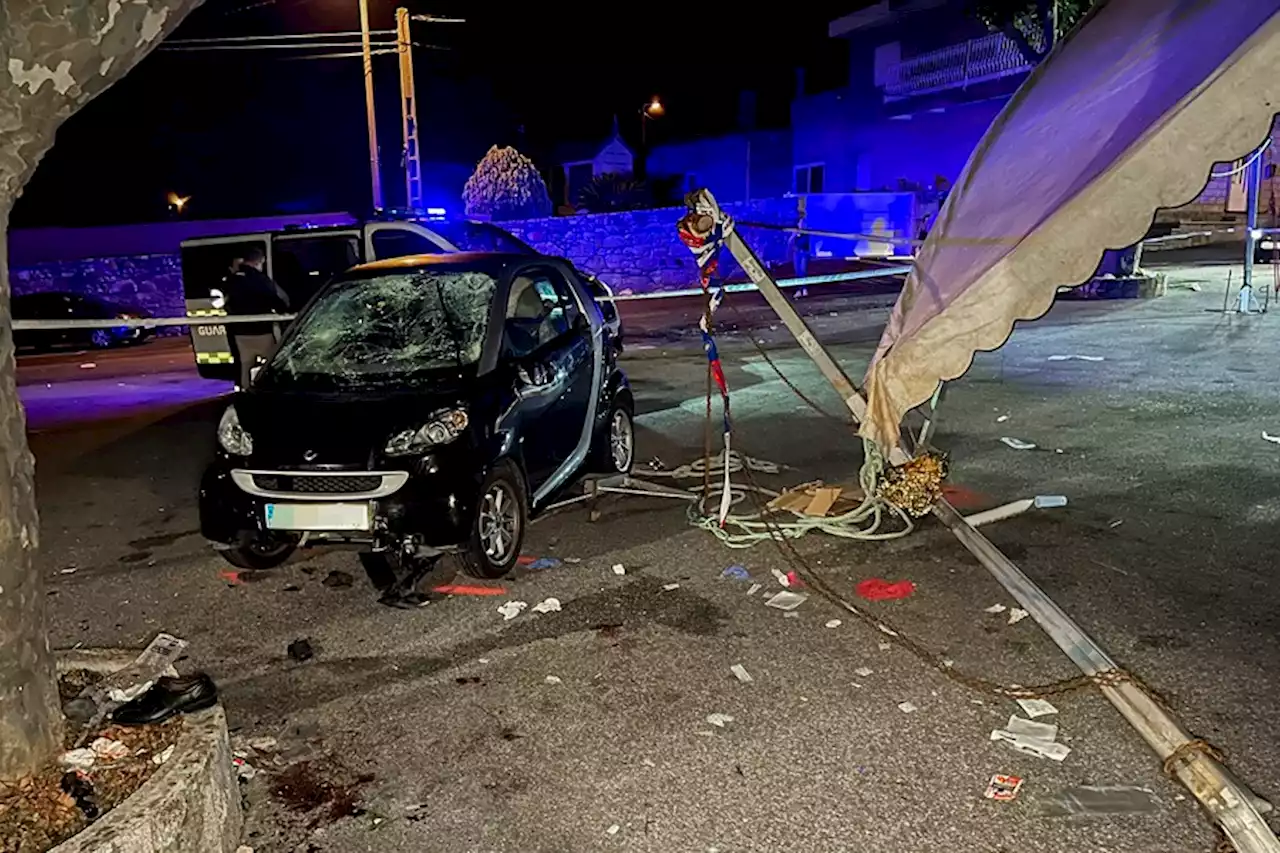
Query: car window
(540, 309)
(302, 265)
(401, 242)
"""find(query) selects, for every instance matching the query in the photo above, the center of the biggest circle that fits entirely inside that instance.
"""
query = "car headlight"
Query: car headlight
(442, 428)
(233, 437)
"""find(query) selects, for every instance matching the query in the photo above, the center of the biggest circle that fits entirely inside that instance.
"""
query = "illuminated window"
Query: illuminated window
(810, 178)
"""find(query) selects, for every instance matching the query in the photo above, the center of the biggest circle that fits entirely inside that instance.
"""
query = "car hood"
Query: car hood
(291, 430)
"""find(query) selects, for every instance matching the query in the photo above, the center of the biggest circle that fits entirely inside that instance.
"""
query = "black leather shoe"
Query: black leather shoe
(168, 696)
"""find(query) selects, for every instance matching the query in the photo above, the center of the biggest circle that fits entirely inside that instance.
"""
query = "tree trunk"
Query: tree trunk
(55, 55)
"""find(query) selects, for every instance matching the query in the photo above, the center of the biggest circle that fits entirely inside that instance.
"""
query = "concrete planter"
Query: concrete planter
(189, 805)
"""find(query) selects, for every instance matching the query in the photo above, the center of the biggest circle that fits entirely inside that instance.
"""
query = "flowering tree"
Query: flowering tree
(506, 185)
(54, 57)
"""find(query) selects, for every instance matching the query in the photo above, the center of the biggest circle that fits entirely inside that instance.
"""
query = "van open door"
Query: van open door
(207, 263)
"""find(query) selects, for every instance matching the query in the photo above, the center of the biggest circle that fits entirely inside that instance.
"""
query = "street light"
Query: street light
(650, 111)
(178, 202)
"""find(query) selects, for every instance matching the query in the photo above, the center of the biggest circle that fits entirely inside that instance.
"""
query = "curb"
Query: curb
(190, 805)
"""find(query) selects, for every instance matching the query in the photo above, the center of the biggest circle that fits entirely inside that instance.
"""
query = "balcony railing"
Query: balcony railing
(975, 61)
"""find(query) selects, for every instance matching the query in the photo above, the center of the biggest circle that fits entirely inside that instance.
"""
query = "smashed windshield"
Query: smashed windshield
(388, 327)
(480, 237)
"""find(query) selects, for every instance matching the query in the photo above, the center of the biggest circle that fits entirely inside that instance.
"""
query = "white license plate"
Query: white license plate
(318, 516)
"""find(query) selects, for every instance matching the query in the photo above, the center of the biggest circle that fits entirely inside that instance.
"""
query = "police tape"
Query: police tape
(210, 317)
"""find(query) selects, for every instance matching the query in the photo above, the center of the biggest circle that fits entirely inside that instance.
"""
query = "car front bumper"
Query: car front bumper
(421, 501)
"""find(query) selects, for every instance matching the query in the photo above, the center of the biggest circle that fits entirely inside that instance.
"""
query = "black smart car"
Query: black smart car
(420, 406)
(74, 306)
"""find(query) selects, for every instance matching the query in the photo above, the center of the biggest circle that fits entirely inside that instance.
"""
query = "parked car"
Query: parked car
(73, 306)
(302, 259)
(420, 406)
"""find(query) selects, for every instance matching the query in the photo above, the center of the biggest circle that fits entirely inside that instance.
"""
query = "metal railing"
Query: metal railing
(975, 61)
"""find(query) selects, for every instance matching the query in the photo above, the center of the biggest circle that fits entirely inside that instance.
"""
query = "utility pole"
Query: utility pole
(409, 114)
(370, 116)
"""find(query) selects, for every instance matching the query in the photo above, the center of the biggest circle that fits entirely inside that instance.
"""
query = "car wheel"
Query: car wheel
(497, 532)
(101, 338)
(615, 448)
(260, 552)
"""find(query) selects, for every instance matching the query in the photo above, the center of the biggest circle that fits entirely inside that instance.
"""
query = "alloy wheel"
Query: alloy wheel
(499, 525)
(621, 440)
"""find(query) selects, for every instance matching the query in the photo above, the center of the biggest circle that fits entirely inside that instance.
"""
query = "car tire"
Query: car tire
(497, 531)
(614, 451)
(101, 339)
(256, 555)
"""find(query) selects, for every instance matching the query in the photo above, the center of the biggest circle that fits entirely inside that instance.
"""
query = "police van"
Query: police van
(301, 259)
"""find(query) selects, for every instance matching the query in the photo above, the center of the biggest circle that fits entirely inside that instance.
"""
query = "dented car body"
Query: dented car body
(419, 406)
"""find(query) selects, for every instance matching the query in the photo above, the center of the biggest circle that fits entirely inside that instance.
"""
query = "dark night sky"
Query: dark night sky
(249, 132)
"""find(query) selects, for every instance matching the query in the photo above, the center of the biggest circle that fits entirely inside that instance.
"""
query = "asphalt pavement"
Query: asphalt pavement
(586, 728)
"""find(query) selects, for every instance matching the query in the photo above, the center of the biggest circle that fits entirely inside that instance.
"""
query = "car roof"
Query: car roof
(491, 262)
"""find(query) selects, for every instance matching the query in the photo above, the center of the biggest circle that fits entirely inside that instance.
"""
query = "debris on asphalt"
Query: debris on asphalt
(538, 563)
(512, 609)
(1020, 726)
(231, 576)
(547, 605)
(815, 500)
(338, 579)
(1003, 789)
(719, 720)
(737, 573)
(553, 679)
(88, 365)
(793, 580)
(107, 749)
(755, 587)
(161, 757)
(781, 577)
(834, 623)
(879, 589)
(1073, 357)
(791, 614)
(77, 785)
(1002, 419)
(301, 650)
(1274, 439)
(884, 647)
(245, 771)
(1030, 744)
(69, 570)
(864, 671)
(907, 707)
(667, 587)
(78, 759)
(786, 600)
(468, 589)
(1050, 501)
(740, 672)
(1017, 443)
(264, 744)
(1036, 707)
(613, 830)
(619, 569)
(1016, 615)
(1091, 800)
(995, 608)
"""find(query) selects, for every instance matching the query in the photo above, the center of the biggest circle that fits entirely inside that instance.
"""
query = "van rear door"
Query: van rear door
(206, 264)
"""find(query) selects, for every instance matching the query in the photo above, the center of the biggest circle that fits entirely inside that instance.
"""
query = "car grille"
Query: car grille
(318, 484)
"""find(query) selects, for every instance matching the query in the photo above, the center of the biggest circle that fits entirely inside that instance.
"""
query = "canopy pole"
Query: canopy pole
(1229, 803)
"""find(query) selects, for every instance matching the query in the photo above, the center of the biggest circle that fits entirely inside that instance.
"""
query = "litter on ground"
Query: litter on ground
(740, 672)
(1017, 443)
(553, 679)
(864, 671)
(1094, 358)
(995, 608)
(667, 587)
(1036, 707)
(618, 569)
(1016, 615)
(1032, 746)
(1003, 789)
(1029, 728)
(907, 707)
(755, 587)
(786, 600)
(884, 647)
(879, 589)
(512, 609)
(469, 589)
(719, 720)
(613, 830)
(737, 573)
(1274, 439)
(834, 623)
(548, 605)
(107, 749)
(1090, 800)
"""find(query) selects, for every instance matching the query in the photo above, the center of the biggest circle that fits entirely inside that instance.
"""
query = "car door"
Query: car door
(548, 338)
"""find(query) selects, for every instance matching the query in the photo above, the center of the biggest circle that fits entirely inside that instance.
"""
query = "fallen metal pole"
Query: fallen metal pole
(1229, 803)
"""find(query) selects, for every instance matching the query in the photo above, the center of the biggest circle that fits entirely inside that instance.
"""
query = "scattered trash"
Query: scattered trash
(162, 757)
(1016, 615)
(1017, 443)
(88, 365)
(1274, 439)
(468, 589)
(1115, 522)
(879, 589)
(512, 609)
(737, 573)
(542, 563)
(78, 759)
(1050, 501)
(833, 623)
(1031, 745)
(338, 579)
(1094, 358)
(1002, 419)
(244, 848)
(1036, 707)
(613, 830)
(107, 749)
(907, 707)
(755, 587)
(740, 672)
(69, 570)
(231, 576)
(786, 600)
(244, 770)
(548, 605)
(719, 720)
(77, 785)
(995, 608)
(667, 587)
(884, 647)
(864, 671)
(1029, 728)
(553, 679)
(793, 580)
(791, 615)
(264, 744)
(618, 569)
(301, 650)
(101, 698)
(815, 499)
(781, 577)
(1003, 789)
(1090, 800)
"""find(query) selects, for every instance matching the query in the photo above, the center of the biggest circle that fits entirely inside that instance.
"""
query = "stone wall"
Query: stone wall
(639, 251)
(150, 282)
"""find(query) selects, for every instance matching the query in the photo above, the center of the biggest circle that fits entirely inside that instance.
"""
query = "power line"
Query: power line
(336, 44)
(285, 37)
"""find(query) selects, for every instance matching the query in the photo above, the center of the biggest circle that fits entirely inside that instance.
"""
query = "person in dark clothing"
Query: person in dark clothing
(251, 291)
